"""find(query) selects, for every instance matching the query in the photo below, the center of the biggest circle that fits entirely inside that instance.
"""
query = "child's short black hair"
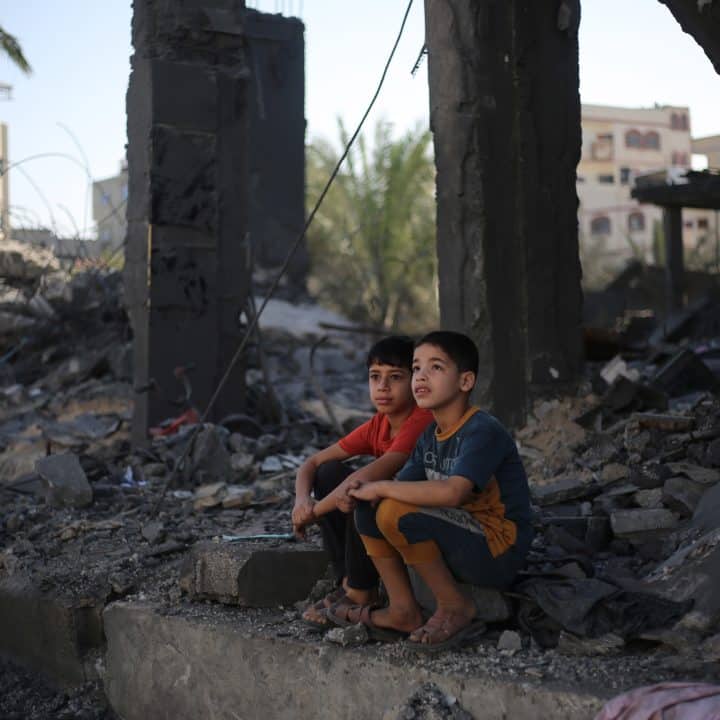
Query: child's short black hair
(460, 348)
(396, 350)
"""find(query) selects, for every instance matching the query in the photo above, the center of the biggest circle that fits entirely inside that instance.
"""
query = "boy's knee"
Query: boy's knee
(328, 476)
(365, 519)
(389, 512)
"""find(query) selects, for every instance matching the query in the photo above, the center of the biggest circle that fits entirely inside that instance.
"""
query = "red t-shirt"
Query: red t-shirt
(373, 437)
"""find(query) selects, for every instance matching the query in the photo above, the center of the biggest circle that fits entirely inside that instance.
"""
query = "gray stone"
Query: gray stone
(693, 573)
(630, 522)
(252, 575)
(707, 513)
(613, 472)
(351, 636)
(491, 604)
(175, 667)
(649, 499)
(153, 532)
(272, 464)
(510, 641)
(567, 488)
(682, 495)
(710, 649)
(64, 480)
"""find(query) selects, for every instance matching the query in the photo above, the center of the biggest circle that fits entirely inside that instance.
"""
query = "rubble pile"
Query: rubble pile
(626, 482)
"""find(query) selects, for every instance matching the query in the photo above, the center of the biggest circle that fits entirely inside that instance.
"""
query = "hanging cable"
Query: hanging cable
(283, 269)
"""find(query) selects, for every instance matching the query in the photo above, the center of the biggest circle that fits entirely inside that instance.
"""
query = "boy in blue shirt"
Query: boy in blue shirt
(457, 511)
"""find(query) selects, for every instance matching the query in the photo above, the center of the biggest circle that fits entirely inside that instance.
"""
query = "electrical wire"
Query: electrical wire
(283, 269)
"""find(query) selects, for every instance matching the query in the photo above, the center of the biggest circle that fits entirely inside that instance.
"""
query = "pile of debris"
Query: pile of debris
(626, 481)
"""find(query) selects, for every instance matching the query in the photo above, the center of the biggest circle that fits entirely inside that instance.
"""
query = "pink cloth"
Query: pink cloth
(665, 701)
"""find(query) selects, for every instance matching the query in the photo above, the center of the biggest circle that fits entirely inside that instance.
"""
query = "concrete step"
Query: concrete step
(214, 663)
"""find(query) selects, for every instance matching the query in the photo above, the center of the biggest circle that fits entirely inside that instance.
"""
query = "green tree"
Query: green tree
(372, 244)
(11, 47)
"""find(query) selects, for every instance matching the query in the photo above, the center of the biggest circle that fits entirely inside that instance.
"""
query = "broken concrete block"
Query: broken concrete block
(705, 476)
(64, 480)
(649, 499)
(237, 497)
(682, 495)
(569, 644)
(693, 573)
(208, 496)
(613, 472)
(491, 604)
(209, 458)
(251, 575)
(707, 513)
(629, 522)
(566, 488)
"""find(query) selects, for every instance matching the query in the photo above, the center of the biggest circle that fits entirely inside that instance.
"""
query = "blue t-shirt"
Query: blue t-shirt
(480, 449)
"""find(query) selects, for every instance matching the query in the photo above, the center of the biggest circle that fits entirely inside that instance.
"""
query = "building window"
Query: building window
(636, 222)
(633, 139)
(652, 140)
(703, 224)
(606, 179)
(647, 141)
(600, 225)
(679, 121)
(624, 175)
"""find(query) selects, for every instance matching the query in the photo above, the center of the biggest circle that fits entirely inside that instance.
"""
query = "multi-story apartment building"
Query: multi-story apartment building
(109, 201)
(618, 145)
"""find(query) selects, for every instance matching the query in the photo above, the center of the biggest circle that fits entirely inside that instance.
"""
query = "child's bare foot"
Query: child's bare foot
(404, 619)
(447, 626)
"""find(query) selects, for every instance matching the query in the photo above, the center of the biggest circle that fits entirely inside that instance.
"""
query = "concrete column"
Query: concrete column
(188, 260)
(674, 262)
(505, 115)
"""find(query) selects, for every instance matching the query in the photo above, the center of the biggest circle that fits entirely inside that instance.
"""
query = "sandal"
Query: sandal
(340, 613)
(315, 615)
(445, 633)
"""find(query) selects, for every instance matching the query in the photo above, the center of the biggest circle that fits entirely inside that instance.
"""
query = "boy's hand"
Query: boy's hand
(302, 515)
(345, 503)
(369, 491)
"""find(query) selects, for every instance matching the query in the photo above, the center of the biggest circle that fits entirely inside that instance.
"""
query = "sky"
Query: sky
(632, 53)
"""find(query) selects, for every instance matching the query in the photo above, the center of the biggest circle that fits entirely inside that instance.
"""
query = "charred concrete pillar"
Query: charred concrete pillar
(276, 56)
(187, 259)
(505, 115)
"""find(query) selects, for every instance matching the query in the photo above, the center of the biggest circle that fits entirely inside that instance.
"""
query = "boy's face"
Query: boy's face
(389, 387)
(436, 380)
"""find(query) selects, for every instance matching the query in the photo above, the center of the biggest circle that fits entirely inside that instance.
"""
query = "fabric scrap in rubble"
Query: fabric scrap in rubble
(665, 701)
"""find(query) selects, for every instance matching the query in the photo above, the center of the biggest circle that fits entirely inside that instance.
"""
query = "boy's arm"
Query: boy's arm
(452, 492)
(381, 468)
(302, 512)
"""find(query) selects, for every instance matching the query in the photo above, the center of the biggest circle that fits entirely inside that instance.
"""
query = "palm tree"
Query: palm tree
(11, 47)
(372, 244)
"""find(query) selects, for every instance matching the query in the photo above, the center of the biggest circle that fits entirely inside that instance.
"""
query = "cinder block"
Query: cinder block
(252, 575)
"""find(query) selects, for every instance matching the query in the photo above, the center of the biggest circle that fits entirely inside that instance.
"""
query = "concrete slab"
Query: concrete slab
(47, 635)
(177, 668)
(252, 574)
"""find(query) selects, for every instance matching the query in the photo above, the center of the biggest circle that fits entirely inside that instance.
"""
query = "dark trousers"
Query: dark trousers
(340, 537)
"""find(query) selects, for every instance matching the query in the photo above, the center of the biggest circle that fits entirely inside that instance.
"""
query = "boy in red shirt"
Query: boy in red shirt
(390, 436)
